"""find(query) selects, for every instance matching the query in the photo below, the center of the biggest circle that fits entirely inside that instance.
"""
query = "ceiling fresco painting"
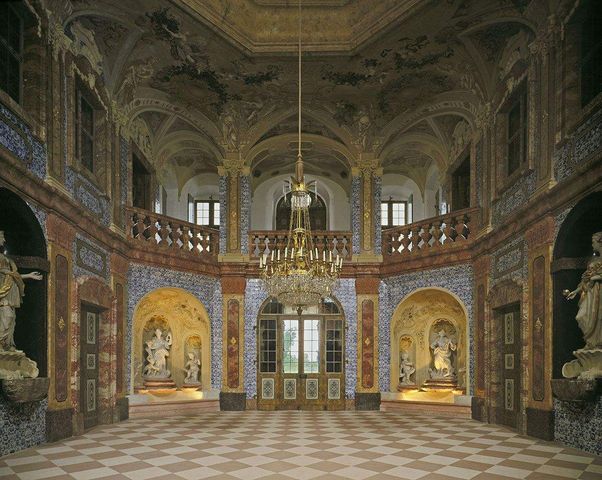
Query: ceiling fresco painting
(174, 66)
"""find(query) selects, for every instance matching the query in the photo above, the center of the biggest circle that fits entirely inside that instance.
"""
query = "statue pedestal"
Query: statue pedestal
(576, 391)
(192, 386)
(15, 365)
(446, 383)
(25, 389)
(159, 383)
(406, 386)
(587, 366)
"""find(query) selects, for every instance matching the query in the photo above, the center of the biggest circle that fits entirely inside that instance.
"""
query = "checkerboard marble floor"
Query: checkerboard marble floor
(301, 445)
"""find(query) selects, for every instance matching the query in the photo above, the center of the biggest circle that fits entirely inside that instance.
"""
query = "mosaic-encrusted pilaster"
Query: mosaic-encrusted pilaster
(143, 279)
(457, 279)
(356, 218)
(377, 192)
(255, 295)
(245, 212)
(223, 213)
(124, 155)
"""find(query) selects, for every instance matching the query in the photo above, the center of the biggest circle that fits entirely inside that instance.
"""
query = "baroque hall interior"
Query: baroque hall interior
(373, 224)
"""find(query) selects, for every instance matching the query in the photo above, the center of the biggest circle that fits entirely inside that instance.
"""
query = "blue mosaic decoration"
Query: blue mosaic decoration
(143, 279)
(18, 138)
(580, 148)
(245, 212)
(124, 156)
(514, 197)
(377, 188)
(479, 173)
(457, 279)
(90, 259)
(88, 195)
(579, 427)
(223, 213)
(510, 261)
(356, 219)
(40, 215)
(21, 425)
(344, 292)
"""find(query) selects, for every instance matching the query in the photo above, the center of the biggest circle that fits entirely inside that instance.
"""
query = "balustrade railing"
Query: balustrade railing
(159, 230)
(440, 232)
(265, 241)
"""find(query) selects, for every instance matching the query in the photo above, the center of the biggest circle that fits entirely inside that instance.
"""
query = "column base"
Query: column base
(367, 401)
(477, 409)
(540, 423)
(59, 424)
(232, 401)
(367, 258)
(123, 408)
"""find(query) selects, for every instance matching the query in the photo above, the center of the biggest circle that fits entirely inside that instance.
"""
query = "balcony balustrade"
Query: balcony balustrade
(263, 242)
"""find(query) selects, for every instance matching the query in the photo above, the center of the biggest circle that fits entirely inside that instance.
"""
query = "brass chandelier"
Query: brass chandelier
(301, 275)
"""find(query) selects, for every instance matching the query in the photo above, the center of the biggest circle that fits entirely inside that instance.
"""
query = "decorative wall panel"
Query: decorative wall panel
(120, 311)
(367, 344)
(480, 328)
(233, 347)
(61, 330)
(538, 292)
(311, 389)
(90, 259)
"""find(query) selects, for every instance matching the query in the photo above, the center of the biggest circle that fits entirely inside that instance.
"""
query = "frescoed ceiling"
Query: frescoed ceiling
(394, 77)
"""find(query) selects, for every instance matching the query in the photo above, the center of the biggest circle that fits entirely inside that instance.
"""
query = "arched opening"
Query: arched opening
(317, 212)
(415, 334)
(26, 246)
(181, 314)
(572, 252)
(301, 357)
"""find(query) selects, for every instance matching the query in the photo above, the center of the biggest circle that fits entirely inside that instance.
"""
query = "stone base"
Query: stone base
(575, 390)
(123, 408)
(540, 423)
(16, 365)
(193, 386)
(477, 409)
(402, 386)
(440, 384)
(159, 384)
(587, 366)
(367, 401)
(59, 424)
(232, 401)
(25, 389)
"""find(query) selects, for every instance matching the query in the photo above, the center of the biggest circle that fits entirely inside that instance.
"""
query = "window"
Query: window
(141, 184)
(84, 138)
(290, 338)
(317, 212)
(461, 185)
(591, 53)
(207, 213)
(516, 139)
(267, 338)
(393, 213)
(11, 47)
(311, 346)
(334, 346)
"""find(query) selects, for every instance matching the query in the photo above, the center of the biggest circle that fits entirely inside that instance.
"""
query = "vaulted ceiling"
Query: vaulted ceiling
(399, 78)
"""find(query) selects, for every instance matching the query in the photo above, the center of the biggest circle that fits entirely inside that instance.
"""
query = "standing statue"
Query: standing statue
(442, 348)
(157, 350)
(406, 369)
(589, 318)
(12, 289)
(192, 369)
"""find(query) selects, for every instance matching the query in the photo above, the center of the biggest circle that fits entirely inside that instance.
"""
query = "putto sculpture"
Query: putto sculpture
(589, 318)
(192, 369)
(406, 369)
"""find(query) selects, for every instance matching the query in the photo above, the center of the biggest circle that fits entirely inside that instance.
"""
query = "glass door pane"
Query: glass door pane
(290, 357)
(311, 346)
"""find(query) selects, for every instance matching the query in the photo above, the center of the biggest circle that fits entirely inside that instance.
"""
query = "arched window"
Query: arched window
(317, 212)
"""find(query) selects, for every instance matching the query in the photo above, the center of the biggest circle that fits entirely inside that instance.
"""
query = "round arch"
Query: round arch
(186, 318)
(414, 317)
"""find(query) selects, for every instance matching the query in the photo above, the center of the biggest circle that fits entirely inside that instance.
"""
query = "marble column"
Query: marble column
(232, 395)
(367, 395)
(366, 193)
(235, 193)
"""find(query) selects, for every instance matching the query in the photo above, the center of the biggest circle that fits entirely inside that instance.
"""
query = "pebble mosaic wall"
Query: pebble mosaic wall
(40, 215)
(143, 279)
(223, 213)
(579, 427)
(21, 425)
(18, 138)
(90, 259)
(245, 212)
(356, 220)
(124, 156)
(88, 195)
(515, 196)
(377, 189)
(579, 148)
(457, 279)
(510, 261)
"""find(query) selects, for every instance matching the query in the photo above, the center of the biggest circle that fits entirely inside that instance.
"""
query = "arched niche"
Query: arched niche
(26, 246)
(415, 318)
(572, 252)
(186, 318)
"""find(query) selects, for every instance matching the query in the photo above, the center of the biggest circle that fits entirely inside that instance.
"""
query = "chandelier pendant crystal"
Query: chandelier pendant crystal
(301, 274)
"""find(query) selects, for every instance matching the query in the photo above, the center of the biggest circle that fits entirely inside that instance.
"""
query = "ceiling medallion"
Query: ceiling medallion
(300, 275)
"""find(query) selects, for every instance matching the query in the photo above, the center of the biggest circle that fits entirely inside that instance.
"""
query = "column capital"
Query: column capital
(233, 164)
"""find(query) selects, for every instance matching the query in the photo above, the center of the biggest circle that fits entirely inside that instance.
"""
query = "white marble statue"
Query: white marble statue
(442, 347)
(12, 289)
(157, 350)
(192, 369)
(406, 369)
(589, 318)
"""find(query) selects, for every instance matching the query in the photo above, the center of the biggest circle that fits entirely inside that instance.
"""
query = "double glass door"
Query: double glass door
(301, 358)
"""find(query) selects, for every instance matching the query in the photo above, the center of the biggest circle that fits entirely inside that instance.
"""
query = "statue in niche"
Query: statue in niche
(589, 318)
(157, 350)
(442, 347)
(406, 369)
(192, 369)
(12, 289)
